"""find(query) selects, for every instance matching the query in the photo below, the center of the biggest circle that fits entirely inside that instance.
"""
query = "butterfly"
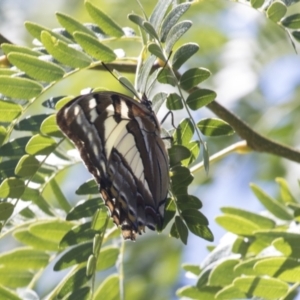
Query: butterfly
(119, 141)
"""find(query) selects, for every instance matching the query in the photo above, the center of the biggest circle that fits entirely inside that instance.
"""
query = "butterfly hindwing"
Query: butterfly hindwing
(119, 140)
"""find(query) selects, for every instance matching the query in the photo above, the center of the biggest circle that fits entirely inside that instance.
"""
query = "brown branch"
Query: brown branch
(254, 140)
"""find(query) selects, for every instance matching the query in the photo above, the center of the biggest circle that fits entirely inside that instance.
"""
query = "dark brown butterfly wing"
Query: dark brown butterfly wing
(119, 140)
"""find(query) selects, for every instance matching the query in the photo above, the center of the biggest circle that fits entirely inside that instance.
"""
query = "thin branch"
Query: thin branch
(254, 140)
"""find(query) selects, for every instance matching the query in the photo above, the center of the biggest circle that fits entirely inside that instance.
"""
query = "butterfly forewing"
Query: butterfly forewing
(119, 140)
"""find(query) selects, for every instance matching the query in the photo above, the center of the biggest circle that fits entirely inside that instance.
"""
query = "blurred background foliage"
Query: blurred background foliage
(256, 74)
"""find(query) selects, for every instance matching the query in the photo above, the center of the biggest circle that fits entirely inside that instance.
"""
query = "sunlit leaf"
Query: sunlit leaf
(214, 127)
(276, 11)
(27, 166)
(109, 26)
(37, 68)
(193, 77)
(183, 53)
(65, 53)
(94, 48)
(200, 98)
(21, 88)
(12, 188)
(108, 289)
(40, 145)
(9, 111)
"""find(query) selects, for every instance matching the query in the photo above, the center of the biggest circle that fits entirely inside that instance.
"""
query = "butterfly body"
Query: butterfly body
(119, 140)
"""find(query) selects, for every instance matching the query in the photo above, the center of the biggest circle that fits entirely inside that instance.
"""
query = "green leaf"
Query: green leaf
(207, 292)
(275, 207)
(52, 230)
(247, 267)
(158, 13)
(100, 218)
(223, 274)
(35, 30)
(7, 168)
(172, 18)
(237, 224)
(64, 53)
(194, 217)
(6, 209)
(202, 231)
(257, 3)
(165, 76)
(261, 221)
(177, 153)
(170, 210)
(94, 48)
(78, 234)
(27, 238)
(200, 98)
(181, 229)
(3, 133)
(14, 147)
(9, 110)
(194, 147)
(103, 21)
(60, 197)
(150, 29)
(188, 202)
(145, 72)
(77, 278)
(214, 127)
(14, 279)
(85, 209)
(36, 68)
(230, 292)
(174, 102)
(296, 35)
(193, 77)
(138, 20)
(7, 48)
(71, 24)
(108, 289)
(183, 53)
(285, 192)
(289, 246)
(156, 50)
(24, 258)
(20, 88)
(194, 269)
(256, 286)
(205, 157)
(50, 127)
(83, 293)
(292, 21)
(12, 188)
(175, 33)
(276, 11)
(40, 145)
(184, 132)
(27, 166)
(284, 268)
(158, 100)
(108, 257)
(88, 188)
(180, 179)
(31, 123)
(75, 255)
(30, 195)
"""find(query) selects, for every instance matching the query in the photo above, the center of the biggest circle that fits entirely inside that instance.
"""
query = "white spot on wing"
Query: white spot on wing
(117, 133)
(93, 115)
(124, 109)
(92, 103)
